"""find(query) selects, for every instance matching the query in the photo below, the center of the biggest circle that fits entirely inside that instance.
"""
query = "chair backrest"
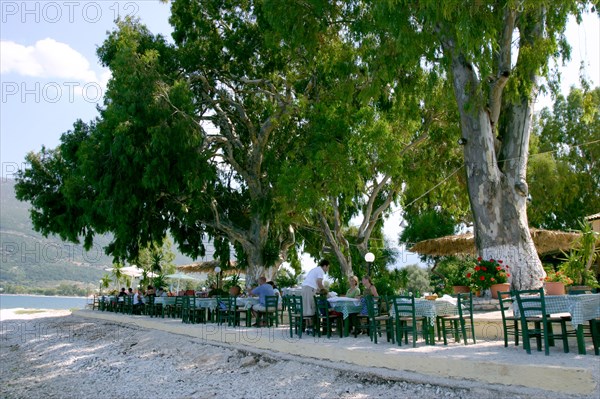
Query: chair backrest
(294, 303)
(531, 303)
(322, 305)
(506, 302)
(404, 305)
(271, 302)
(464, 304)
(371, 303)
(185, 302)
(226, 303)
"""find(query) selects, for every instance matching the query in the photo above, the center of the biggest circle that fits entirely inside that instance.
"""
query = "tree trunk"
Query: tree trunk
(336, 240)
(498, 198)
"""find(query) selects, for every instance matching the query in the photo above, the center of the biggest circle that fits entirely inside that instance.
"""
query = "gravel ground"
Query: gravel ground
(67, 356)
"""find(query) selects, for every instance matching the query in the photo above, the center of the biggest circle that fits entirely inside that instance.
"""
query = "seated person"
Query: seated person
(161, 292)
(122, 295)
(353, 291)
(150, 291)
(370, 290)
(138, 302)
(263, 290)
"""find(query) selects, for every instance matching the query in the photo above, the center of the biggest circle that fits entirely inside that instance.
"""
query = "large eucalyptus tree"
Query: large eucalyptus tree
(494, 53)
(189, 140)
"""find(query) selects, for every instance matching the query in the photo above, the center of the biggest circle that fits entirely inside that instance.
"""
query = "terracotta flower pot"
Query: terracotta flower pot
(460, 289)
(499, 287)
(555, 288)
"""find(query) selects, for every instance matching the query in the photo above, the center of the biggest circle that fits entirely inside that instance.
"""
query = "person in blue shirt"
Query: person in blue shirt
(262, 291)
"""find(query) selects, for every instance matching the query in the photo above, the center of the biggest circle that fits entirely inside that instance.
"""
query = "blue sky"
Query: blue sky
(50, 74)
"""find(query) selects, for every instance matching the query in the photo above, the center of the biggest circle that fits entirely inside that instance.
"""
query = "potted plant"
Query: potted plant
(578, 263)
(490, 274)
(451, 272)
(556, 281)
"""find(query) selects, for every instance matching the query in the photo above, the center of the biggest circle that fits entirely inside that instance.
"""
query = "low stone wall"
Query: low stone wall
(482, 304)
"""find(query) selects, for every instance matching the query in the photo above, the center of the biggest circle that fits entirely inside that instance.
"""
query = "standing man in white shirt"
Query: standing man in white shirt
(313, 283)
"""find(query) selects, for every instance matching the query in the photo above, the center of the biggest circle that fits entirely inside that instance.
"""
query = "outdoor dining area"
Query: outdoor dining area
(402, 320)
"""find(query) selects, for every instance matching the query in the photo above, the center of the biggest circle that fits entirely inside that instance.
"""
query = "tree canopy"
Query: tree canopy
(265, 118)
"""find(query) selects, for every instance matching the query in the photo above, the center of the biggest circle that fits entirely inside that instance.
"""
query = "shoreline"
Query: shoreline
(27, 313)
(48, 296)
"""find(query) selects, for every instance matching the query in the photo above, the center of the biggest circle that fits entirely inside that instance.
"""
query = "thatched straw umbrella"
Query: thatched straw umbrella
(546, 242)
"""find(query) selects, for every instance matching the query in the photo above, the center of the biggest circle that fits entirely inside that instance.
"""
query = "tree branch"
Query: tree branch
(503, 59)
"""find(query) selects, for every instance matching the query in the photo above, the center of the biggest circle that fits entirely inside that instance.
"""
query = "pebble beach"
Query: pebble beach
(56, 354)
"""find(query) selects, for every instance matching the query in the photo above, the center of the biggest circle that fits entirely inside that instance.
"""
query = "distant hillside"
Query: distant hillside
(30, 260)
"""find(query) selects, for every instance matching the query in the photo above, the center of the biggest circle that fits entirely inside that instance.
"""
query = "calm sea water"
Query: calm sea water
(42, 302)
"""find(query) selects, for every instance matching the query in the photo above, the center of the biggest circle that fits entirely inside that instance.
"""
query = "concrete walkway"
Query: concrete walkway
(456, 365)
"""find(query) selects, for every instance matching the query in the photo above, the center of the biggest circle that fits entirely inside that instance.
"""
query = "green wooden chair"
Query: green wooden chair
(296, 316)
(536, 323)
(243, 312)
(373, 320)
(406, 321)
(174, 309)
(102, 304)
(270, 314)
(127, 305)
(458, 323)
(189, 314)
(325, 317)
(154, 309)
(595, 331)
(226, 310)
(510, 323)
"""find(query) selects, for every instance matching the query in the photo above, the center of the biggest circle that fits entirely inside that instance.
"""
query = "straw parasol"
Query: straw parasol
(546, 242)
(181, 276)
(209, 267)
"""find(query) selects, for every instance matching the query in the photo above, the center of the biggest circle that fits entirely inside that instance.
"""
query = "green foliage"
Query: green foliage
(451, 271)
(147, 165)
(231, 281)
(386, 285)
(340, 285)
(418, 280)
(426, 225)
(159, 281)
(286, 278)
(564, 174)
(578, 262)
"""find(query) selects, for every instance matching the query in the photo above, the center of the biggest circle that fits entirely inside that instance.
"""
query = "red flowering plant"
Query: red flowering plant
(487, 273)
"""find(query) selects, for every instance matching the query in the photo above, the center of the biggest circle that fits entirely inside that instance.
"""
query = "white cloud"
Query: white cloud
(47, 58)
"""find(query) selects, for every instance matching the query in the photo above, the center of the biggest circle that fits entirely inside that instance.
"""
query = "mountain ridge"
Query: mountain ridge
(31, 260)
